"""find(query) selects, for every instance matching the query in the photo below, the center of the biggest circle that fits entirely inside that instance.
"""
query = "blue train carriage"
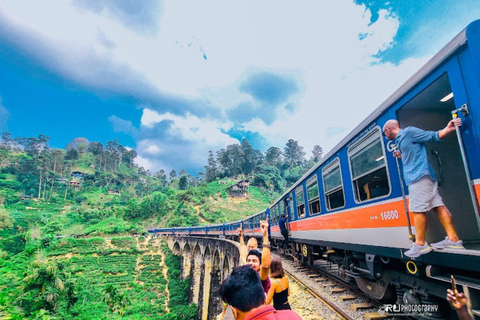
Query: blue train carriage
(216, 230)
(231, 229)
(282, 206)
(198, 231)
(159, 231)
(252, 225)
(350, 206)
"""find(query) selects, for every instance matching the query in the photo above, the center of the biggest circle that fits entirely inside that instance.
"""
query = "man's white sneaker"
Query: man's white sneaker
(448, 244)
(417, 250)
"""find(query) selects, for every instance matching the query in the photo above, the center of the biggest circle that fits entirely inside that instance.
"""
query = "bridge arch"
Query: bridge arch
(207, 261)
(196, 274)
(176, 248)
(186, 261)
(226, 268)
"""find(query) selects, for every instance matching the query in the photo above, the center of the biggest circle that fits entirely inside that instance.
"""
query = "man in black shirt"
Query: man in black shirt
(282, 223)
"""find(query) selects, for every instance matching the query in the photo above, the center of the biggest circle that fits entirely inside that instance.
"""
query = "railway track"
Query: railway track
(340, 297)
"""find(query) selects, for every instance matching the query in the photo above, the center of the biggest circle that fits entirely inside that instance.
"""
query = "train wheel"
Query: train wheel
(307, 257)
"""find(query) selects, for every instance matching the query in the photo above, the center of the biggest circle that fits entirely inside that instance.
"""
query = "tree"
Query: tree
(211, 168)
(6, 222)
(72, 154)
(231, 159)
(273, 156)
(34, 146)
(115, 299)
(294, 154)
(44, 284)
(113, 155)
(249, 157)
(173, 174)
(6, 141)
(162, 178)
(317, 153)
(80, 144)
(183, 183)
(128, 157)
(96, 148)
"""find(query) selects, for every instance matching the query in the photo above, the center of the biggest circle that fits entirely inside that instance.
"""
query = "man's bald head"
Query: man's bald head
(391, 128)
(252, 244)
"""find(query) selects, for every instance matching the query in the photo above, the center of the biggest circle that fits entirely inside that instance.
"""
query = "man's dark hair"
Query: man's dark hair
(257, 253)
(283, 216)
(243, 289)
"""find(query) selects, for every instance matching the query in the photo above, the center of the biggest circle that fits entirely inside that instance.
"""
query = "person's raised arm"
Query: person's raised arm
(243, 247)
(271, 292)
(457, 122)
(265, 268)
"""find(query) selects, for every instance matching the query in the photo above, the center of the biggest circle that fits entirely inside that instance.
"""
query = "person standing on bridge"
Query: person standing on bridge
(252, 243)
(280, 289)
(260, 261)
(422, 183)
(242, 290)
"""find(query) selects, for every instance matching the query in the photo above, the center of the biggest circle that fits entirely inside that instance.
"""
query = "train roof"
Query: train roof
(457, 42)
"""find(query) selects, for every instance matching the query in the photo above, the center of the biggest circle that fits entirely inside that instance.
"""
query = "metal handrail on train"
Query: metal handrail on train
(464, 110)
(411, 236)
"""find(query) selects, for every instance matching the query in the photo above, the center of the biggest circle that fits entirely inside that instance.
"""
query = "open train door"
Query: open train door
(431, 109)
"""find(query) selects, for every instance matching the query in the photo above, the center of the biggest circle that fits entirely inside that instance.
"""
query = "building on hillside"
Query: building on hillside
(75, 184)
(77, 175)
(240, 189)
(25, 197)
(114, 192)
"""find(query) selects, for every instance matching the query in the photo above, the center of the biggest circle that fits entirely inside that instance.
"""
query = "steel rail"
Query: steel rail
(330, 305)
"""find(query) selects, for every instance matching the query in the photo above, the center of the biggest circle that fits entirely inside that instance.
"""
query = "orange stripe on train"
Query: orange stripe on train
(477, 191)
(369, 217)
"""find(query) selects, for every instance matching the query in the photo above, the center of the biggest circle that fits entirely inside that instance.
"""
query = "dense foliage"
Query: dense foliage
(65, 215)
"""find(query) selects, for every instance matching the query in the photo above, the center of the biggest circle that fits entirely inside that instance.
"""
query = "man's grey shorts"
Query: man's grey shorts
(423, 195)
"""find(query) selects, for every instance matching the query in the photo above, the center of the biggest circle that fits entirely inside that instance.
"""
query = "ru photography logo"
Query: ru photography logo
(407, 309)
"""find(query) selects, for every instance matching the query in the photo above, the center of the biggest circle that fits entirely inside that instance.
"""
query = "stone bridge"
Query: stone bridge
(207, 261)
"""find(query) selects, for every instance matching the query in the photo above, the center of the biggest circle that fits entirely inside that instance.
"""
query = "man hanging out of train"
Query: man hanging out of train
(282, 223)
(422, 183)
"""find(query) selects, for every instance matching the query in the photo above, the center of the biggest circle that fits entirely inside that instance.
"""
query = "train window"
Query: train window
(276, 213)
(282, 208)
(368, 168)
(333, 185)
(300, 202)
(313, 195)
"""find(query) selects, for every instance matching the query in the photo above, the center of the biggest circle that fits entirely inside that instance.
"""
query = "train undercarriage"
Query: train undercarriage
(409, 286)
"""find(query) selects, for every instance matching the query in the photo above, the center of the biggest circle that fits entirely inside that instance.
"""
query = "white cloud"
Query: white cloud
(144, 162)
(342, 82)
(183, 142)
(192, 128)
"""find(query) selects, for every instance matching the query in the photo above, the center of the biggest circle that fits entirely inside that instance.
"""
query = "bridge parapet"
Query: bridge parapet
(207, 261)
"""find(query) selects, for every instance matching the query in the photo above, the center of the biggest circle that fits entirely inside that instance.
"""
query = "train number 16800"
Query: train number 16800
(389, 215)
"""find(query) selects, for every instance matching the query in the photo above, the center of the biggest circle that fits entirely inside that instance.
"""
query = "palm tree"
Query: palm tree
(115, 299)
(44, 276)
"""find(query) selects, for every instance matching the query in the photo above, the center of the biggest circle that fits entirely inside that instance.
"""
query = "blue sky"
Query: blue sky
(174, 79)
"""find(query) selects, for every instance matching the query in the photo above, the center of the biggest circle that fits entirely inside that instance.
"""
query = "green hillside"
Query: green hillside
(94, 278)
(67, 218)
